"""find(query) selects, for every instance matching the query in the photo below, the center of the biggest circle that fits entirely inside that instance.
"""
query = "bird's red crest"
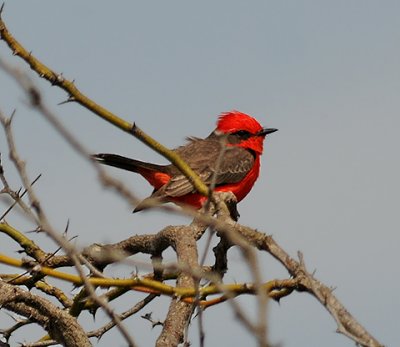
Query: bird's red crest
(230, 122)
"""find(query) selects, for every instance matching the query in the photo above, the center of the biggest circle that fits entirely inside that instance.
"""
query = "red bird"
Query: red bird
(238, 168)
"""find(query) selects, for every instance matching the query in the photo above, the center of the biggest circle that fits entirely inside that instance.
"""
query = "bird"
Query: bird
(238, 135)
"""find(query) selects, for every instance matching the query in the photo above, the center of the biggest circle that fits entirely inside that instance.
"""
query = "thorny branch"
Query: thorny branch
(46, 227)
(182, 240)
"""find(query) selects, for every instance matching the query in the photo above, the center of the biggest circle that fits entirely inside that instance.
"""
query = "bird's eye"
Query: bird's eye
(243, 134)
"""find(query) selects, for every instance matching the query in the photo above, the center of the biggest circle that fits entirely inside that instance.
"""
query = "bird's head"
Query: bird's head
(242, 130)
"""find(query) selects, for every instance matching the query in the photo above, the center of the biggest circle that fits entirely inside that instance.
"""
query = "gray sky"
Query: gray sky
(326, 73)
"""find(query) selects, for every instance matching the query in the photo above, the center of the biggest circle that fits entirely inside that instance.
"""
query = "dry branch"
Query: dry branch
(347, 324)
(58, 323)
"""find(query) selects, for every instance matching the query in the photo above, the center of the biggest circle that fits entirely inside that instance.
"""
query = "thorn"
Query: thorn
(66, 227)
(73, 238)
(93, 312)
(147, 315)
(70, 99)
(36, 179)
(133, 129)
(63, 102)
(38, 229)
(154, 324)
(14, 111)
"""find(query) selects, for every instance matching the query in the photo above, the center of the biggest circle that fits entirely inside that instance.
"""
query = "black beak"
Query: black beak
(266, 131)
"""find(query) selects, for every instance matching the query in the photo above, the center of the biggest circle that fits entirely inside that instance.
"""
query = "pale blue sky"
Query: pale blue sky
(326, 73)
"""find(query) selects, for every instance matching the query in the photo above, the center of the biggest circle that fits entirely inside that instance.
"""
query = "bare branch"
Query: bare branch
(45, 226)
(347, 324)
(135, 309)
(179, 312)
(58, 323)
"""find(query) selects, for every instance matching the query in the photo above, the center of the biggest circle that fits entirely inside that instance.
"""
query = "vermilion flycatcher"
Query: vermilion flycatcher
(237, 170)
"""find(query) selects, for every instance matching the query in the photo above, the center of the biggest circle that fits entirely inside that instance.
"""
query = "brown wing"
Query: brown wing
(202, 156)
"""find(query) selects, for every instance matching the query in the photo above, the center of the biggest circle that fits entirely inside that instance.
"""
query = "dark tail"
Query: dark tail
(127, 163)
